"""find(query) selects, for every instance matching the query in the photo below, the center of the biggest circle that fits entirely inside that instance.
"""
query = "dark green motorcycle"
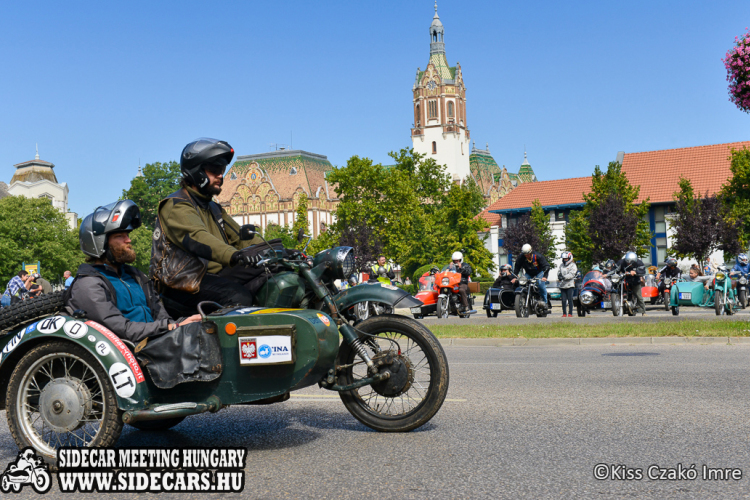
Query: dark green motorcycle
(71, 382)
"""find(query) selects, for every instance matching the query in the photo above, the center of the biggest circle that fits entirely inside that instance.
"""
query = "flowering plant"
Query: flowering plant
(737, 62)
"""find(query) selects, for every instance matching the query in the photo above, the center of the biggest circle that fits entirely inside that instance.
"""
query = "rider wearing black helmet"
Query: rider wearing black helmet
(197, 232)
(633, 269)
(668, 272)
(107, 288)
(506, 278)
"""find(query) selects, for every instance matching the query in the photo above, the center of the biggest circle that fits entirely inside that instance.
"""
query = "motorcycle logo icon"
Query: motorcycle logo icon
(264, 351)
(27, 469)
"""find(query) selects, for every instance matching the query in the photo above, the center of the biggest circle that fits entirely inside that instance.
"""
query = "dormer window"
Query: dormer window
(293, 171)
(233, 176)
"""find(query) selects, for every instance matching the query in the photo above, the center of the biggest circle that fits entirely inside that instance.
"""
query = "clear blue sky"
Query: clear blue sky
(101, 84)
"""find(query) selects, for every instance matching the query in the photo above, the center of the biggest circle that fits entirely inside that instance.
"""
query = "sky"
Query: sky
(100, 86)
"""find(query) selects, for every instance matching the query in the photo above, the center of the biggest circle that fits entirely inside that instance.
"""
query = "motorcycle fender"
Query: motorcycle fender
(375, 292)
(443, 295)
(519, 290)
(113, 355)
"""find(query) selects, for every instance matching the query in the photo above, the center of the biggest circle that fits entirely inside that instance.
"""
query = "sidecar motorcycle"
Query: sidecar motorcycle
(69, 381)
(720, 296)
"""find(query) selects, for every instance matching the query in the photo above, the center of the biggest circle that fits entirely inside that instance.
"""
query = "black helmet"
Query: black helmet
(123, 215)
(202, 152)
(506, 267)
(609, 264)
(671, 262)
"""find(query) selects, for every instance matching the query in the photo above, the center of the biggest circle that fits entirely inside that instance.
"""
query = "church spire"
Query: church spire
(37, 147)
(437, 44)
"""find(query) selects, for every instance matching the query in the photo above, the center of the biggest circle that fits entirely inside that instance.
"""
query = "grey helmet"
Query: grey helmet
(630, 258)
(123, 215)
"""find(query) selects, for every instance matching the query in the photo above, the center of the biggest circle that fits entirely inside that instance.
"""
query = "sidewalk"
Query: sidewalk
(489, 342)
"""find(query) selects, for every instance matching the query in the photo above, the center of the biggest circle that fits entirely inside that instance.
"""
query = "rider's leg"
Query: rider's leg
(641, 305)
(542, 287)
(216, 289)
(463, 292)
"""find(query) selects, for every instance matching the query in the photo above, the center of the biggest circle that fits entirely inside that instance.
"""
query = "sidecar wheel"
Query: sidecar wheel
(489, 313)
(67, 376)
(406, 400)
(5, 484)
(157, 425)
(675, 311)
(494, 314)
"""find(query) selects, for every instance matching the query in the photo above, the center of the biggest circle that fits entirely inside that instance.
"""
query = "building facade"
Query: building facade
(36, 179)
(265, 189)
(657, 173)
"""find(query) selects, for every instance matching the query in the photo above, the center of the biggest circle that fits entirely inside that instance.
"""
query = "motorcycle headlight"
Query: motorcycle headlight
(446, 281)
(720, 276)
(587, 297)
(522, 281)
(743, 281)
(340, 260)
(615, 278)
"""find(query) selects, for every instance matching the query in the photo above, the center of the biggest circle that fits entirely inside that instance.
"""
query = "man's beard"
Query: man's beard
(123, 254)
(214, 190)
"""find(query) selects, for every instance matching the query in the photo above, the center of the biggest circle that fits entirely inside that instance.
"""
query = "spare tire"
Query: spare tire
(30, 309)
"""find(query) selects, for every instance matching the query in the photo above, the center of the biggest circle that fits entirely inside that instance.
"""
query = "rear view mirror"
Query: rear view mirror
(248, 232)
(300, 235)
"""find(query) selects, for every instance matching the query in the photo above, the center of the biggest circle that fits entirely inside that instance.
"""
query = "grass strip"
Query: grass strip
(559, 329)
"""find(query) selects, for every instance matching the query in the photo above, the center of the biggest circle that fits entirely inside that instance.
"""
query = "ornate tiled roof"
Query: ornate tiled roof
(526, 173)
(445, 71)
(484, 169)
(34, 171)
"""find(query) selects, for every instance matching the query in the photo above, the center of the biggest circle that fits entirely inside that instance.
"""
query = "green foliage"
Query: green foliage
(274, 231)
(420, 271)
(735, 194)
(324, 241)
(547, 241)
(585, 240)
(33, 230)
(412, 209)
(141, 239)
(300, 222)
(484, 286)
(411, 289)
(159, 181)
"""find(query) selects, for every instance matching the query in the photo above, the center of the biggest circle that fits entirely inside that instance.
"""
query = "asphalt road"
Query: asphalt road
(519, 422)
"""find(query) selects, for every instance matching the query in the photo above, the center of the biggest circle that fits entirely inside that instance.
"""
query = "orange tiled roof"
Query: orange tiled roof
(658, 172)
(492, 219)
(549, 193)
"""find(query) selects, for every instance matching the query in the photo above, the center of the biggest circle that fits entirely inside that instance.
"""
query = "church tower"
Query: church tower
(440, 130)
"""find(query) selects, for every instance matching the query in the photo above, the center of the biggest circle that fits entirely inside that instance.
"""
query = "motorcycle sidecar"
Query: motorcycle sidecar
(686, 293)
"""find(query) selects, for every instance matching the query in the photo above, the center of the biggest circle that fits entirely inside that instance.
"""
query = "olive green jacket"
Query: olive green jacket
(196, 231)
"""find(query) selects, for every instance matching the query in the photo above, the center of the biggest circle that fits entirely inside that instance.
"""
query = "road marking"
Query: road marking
(325, 397)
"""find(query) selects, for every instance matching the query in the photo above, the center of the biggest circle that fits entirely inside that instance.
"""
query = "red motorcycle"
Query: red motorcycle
(443, 298)
(427, 294)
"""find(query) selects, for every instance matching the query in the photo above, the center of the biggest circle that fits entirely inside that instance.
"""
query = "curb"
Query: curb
(520, 341)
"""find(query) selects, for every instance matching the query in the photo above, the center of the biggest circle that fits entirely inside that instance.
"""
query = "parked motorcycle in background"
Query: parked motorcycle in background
(742, 290)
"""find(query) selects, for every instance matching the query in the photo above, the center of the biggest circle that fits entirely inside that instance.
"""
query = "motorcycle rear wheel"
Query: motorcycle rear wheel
(521, 310)
(615, 298)
(427, 384)
(718, 302)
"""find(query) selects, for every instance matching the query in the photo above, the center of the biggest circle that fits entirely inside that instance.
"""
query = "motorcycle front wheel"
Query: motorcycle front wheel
(718, 302)
(521, 310)
(442, 310)
(666, 300)
(615, 298)
(419, 375)
(743, 298)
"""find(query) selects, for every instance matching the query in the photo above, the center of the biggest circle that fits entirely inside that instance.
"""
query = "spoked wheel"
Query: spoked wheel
(719, 302)
(521, 310)
(743, 298)
(442, 309)
(419, 375)
(615, 297)
(666, 300)
(59, 395)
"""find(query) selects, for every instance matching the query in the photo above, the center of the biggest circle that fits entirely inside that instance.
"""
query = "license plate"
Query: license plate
(606, 305)
(495, 306)
(685, 295)
(416, 310)
(265, 350)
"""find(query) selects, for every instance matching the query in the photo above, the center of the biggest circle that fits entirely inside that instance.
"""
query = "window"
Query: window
(661, 250)
(450, 109)
(418, 117)
(293, 171)
(233, 176)
(432, 108)
(660, 225)
(434, 147)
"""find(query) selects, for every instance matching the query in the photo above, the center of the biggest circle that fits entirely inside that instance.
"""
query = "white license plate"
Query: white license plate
(495, 306)
(416, 310)
(685, 295)
(606, 305)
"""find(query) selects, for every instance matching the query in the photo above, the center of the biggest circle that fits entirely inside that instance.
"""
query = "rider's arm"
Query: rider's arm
(640, 269)
(89, 294)
(233, 233)
(389, 272)
(517, 265)
(544, 264)
(185, 228)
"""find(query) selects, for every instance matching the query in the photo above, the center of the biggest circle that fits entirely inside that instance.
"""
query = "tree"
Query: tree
(300, 221)
(141, 240)
(33, 230)
(603, 237)
(274, 231)
(366, 245)
(702, 226)
(159, 180)
(547, 242)
(735, 194)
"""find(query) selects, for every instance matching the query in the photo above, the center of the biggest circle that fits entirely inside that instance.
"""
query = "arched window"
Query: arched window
(432, 108)
(434, 147)
(417, 117)
(450, 109)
